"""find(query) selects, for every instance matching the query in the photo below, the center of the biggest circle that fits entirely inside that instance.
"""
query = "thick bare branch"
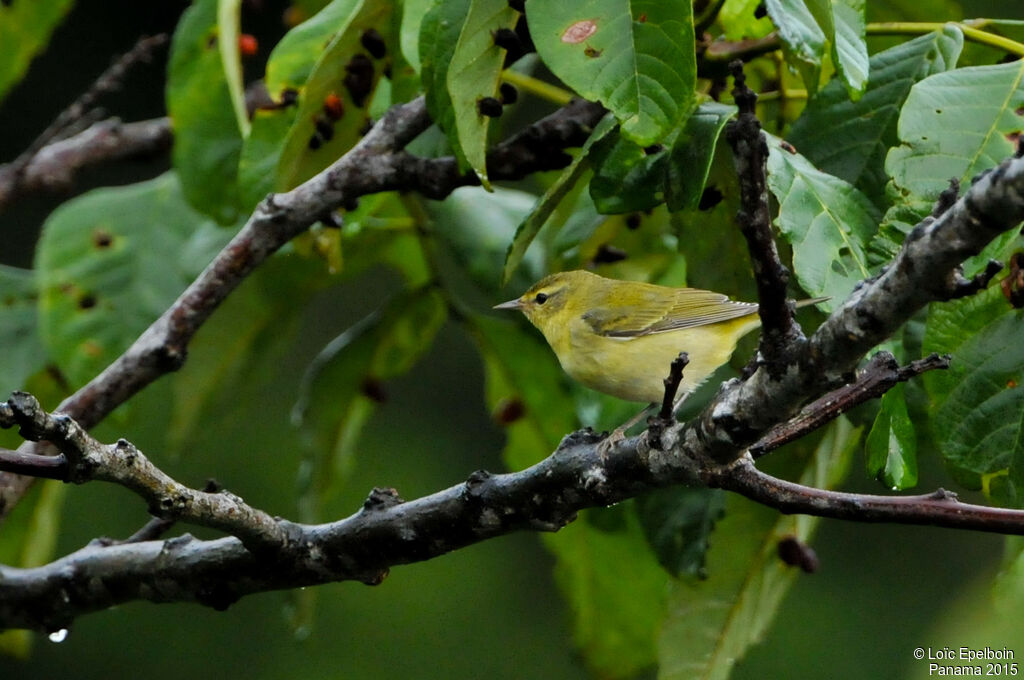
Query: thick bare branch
(780, 333)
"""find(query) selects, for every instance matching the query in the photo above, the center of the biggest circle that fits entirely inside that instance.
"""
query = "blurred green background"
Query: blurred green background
(490, 611)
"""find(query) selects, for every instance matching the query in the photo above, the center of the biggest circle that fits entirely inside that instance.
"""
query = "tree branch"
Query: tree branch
(54, 166)
(941, 508)
(780, 333)
(85, 459)
(13, 174)
(880, 374)
(927, 269)
(375, 164)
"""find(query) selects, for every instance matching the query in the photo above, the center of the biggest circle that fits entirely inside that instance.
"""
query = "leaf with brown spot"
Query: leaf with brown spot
(579, 31)
(643, 71)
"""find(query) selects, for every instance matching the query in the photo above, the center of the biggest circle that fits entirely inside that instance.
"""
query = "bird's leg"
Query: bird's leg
(619, 433)
(669, 406)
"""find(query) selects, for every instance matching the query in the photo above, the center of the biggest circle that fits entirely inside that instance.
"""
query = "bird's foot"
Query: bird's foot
(605, 446)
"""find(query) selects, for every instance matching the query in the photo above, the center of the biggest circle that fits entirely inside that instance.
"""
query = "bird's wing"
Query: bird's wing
(655, 312)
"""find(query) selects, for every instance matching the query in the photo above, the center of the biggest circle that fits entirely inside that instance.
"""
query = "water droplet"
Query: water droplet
(58, 635)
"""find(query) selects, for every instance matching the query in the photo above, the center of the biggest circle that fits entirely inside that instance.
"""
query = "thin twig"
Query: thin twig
(109, 80)
(875, 379)
(941, 508)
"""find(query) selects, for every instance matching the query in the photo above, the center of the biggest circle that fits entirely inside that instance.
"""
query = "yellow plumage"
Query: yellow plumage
(619, 337)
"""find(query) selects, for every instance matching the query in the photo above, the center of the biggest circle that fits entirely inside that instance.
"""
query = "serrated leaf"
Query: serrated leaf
(551, 199)
(677, 523)
(712, 622)
(107, 268)
(977, 404)
(614, 622)
(850, 139)
(843, 24)
(205, 103)
(828, 222)
(803, 40)
(891, 446)
(322, 57)
(954, 125)
(343, 384)
(23, 353)
(637, 58)
(25, 29)
(692, 154)
(475, 73)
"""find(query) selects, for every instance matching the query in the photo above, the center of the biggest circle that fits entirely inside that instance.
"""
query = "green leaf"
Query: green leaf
(850, 139)
(344, 382)
(244, 343)
(551, 199)
(843, 24)
(891, 446)
(677, 523)
(692, 154)
(23, 353)
(828, 222)
(107, 267)
(954, 125)
(413, 12)
(322, 57)
(738, 20)
(404, 77)
(614, 624)
(630, 178)
(439, 34)
(977, 404)
(712, 622)
(615, 589)
(479, 245)
(25, 29)
(803, 40)
(475, 73)
(626, 178)
(205, 103)
(635, 57)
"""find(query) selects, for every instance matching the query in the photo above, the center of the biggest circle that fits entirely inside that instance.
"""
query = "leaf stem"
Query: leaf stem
(971, 28)
(537, 87)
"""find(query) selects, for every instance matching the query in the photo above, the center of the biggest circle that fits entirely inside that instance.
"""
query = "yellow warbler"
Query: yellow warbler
(619, 337)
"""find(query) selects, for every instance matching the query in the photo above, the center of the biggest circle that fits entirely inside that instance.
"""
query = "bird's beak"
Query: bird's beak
(511, 304)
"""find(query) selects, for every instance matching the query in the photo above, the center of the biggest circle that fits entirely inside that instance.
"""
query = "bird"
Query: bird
(619, 337)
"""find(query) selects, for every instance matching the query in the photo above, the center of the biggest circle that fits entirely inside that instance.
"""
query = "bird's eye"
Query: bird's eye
(541, 298)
